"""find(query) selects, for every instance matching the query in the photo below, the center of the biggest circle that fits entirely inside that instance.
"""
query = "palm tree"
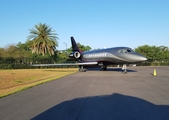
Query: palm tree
(43, 39)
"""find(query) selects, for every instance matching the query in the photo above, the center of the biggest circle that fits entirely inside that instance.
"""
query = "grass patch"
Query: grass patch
(12, 81)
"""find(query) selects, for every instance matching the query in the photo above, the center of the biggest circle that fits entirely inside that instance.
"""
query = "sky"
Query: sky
(96, 23)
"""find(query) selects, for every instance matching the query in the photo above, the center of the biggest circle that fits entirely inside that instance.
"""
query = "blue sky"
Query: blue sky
(97, 23)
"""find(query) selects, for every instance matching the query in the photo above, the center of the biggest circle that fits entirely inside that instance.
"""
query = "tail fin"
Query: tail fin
(74, 45)
(76, 54)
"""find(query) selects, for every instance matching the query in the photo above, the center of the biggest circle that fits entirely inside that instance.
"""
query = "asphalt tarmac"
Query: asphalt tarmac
(94, 95)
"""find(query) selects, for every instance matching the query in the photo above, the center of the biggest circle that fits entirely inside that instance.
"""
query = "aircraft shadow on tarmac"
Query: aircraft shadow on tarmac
(106, 107)
(110, 69)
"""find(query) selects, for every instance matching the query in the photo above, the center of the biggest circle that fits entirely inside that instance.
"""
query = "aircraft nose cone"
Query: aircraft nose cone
(133, 57)
(137, 57)
(143, 58)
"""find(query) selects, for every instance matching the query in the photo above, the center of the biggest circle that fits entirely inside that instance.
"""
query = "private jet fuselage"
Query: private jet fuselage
(116, 55)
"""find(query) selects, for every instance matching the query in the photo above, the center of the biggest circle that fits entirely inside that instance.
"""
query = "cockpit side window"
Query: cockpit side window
(126, 51)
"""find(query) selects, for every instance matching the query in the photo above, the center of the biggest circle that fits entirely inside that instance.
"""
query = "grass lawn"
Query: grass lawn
(12, 81)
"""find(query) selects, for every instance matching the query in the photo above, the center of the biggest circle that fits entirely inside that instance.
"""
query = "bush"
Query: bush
(15, 66)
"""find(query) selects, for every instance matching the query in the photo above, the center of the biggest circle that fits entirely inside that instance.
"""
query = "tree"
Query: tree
(164, 48)
(153, 52)
(164, 52)
(43, 40)
(2, 52)
(83, 48)
(144, 50)
(23, 46)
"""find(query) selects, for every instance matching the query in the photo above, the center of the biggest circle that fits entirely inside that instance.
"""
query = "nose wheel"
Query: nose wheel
(124, 69)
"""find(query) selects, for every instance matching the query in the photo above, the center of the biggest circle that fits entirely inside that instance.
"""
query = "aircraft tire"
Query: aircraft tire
(82, 70)
(124, 72)
(104, 68)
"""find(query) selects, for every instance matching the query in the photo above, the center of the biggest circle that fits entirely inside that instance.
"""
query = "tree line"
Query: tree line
(40, 47)
(21, 56)
(157, 55)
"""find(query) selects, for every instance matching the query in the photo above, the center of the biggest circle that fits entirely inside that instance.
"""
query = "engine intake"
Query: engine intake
(75, 55)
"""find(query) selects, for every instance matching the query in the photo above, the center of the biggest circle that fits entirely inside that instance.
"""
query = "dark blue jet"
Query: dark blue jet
(102, 57)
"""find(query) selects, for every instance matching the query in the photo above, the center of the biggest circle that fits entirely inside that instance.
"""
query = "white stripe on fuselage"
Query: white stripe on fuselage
(96, 55)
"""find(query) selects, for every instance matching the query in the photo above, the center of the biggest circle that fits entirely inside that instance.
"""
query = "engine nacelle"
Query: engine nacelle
(75, 55)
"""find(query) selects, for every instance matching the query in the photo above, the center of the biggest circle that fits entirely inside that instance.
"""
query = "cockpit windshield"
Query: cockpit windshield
(126, 51)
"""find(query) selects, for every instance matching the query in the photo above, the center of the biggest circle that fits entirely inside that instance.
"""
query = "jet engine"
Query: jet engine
(75, 55)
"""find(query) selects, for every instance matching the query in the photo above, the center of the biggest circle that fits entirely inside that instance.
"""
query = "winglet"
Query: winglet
(74, 45)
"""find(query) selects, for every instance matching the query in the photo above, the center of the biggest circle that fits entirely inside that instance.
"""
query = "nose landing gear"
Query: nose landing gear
(124, 69)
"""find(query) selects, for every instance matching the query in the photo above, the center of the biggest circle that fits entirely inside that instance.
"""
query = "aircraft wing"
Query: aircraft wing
(82, 63)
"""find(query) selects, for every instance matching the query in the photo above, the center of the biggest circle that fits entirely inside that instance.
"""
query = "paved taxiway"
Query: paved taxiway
(101, 95)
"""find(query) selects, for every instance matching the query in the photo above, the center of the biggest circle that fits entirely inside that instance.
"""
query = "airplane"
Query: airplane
(102, 57)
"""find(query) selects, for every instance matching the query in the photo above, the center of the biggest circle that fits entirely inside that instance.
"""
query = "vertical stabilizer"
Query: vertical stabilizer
(76, 53)
(74, 45)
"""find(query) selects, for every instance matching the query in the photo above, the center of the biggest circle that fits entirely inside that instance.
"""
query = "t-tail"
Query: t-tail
(76, 53)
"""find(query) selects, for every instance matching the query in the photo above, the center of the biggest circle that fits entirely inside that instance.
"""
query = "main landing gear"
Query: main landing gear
(81, 69)
(104, 68)
(124, 69)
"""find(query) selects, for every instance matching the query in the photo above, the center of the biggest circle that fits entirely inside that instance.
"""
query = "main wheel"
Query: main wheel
(125, 72)
(104, 68)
